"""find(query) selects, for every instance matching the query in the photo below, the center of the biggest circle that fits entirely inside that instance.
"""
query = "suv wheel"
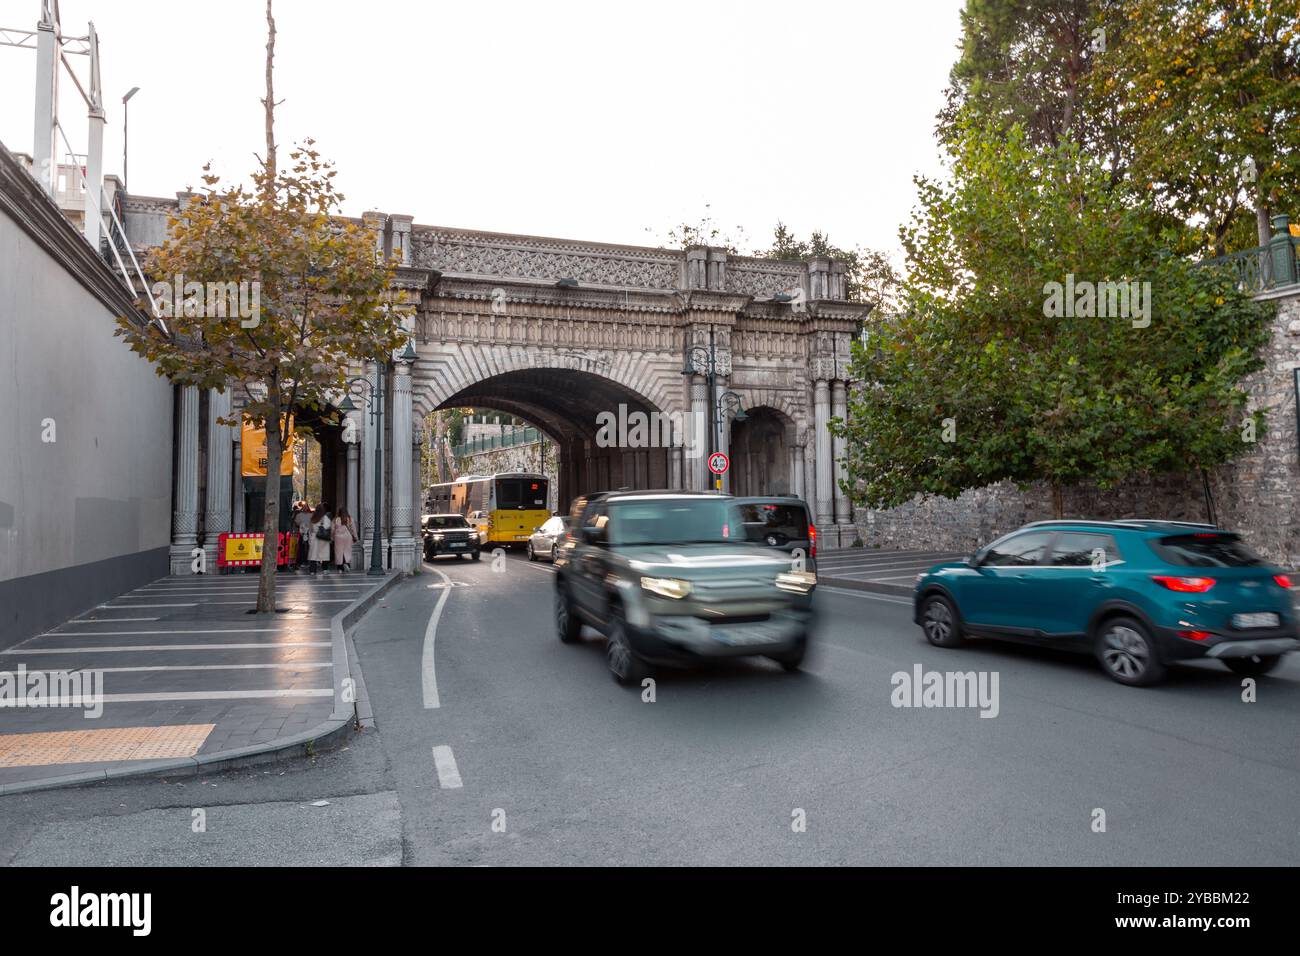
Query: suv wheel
(475, 556)
(567, 626)
(939, 621)
(1127, 652)
(1254, 666)
(792, 660)
(627, 668)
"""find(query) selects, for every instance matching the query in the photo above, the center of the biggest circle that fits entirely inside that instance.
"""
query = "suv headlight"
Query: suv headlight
(801, 582)
(667, 587)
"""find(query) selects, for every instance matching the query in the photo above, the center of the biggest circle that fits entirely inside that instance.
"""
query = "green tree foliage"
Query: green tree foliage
(1208, 94)
(323, 296)
(1195, 104)
(869, 276)
(1027, 63)
(1022, 396)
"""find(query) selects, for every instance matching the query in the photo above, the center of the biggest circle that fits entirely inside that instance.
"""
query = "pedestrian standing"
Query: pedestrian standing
(345, 536)
(302, 524)
(318, 549)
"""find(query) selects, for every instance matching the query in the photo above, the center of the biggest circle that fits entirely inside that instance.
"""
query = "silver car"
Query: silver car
(541, 544)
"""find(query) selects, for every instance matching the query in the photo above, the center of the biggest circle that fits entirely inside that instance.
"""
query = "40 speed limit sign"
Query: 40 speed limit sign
(719, 463)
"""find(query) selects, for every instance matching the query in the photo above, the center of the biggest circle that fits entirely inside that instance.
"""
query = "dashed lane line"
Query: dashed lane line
(445, 763)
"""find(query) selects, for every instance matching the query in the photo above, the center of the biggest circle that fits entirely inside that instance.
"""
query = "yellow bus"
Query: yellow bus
(505, 508)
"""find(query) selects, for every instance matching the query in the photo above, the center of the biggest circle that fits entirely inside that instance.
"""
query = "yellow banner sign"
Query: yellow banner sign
(244, 549)
(253, 451)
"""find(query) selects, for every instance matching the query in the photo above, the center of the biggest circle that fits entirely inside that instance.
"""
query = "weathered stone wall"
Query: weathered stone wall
(1257, 494)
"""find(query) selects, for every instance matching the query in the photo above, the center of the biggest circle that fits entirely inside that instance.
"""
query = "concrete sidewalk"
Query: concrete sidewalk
(876, 570)
(185, 677)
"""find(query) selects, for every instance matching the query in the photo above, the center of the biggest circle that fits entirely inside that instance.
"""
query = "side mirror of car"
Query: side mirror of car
(593, 535)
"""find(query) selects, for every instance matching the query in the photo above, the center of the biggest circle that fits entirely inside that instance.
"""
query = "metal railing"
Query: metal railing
(514, 435)
(1262, 268)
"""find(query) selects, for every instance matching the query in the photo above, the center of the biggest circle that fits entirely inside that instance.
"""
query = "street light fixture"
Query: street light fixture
(700, 359)
(129, 93)
(731, 402)
(372, 396)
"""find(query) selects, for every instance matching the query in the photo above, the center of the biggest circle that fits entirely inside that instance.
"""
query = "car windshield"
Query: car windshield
(440, 522)
(670, 521)
(1207, 551)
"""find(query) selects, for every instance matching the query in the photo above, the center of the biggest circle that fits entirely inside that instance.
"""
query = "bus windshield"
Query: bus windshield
(521, 493)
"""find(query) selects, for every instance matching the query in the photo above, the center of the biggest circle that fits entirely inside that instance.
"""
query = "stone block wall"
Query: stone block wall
(1258, 494)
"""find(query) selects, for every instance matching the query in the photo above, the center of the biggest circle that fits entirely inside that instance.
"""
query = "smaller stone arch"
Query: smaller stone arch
(764, 452)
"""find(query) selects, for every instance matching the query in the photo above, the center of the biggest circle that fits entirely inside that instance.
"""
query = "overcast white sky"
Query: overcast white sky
(589, 120)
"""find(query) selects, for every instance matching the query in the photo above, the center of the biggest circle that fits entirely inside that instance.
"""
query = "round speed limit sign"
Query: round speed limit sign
(719, 463)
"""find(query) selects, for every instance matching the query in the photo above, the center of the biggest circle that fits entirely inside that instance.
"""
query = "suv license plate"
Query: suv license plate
(1263, 619)
(456, 544)
(736, 638)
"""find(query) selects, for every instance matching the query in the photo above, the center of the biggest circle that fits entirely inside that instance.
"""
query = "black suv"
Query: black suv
(780, 521)
(448, 534)
(670, 578)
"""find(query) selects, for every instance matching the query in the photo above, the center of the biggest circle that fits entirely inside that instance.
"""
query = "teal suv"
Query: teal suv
(1138, 595)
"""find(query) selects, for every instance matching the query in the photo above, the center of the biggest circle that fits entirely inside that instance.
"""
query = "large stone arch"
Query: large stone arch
(563, 393)
(667, 330)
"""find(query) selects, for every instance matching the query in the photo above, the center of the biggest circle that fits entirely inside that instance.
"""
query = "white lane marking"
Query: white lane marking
(428, 677)
(305, 665)
(76, 700)
(142, 607)
(247, 601)
(445, 762)
(232, 630)
(114, 620)
(269, 645)
(538, 566)
(887, 598)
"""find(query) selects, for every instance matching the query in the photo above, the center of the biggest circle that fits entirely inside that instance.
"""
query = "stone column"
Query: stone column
(352, 427)
(700, 440)
(797, 467)
(724, 439)
(400, 510)
(822, 468)
(185, 519)
(839, 408)
(673, 459)
(219, 475)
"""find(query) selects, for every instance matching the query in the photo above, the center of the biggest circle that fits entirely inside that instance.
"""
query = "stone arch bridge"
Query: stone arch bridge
(558, 332)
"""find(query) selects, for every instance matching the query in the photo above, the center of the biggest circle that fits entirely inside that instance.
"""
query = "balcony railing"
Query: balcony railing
(1263, 268)
(516, 435)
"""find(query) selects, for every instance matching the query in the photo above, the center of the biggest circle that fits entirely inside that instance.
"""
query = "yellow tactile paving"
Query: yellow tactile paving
(93, 746)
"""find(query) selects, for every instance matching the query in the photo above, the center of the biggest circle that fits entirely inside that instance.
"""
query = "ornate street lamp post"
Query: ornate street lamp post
(700, 359)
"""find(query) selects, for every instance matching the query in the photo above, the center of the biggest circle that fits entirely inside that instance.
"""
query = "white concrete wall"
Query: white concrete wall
(101, 491)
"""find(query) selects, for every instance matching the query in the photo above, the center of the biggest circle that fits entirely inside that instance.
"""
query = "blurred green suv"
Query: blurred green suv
(671, 577)
(1138, 595)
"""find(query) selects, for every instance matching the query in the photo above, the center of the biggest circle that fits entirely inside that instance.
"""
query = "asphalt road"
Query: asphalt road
(533, 755)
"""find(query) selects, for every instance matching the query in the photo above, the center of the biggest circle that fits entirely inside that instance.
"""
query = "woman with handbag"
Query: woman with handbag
(318, 552)
(345, 536)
